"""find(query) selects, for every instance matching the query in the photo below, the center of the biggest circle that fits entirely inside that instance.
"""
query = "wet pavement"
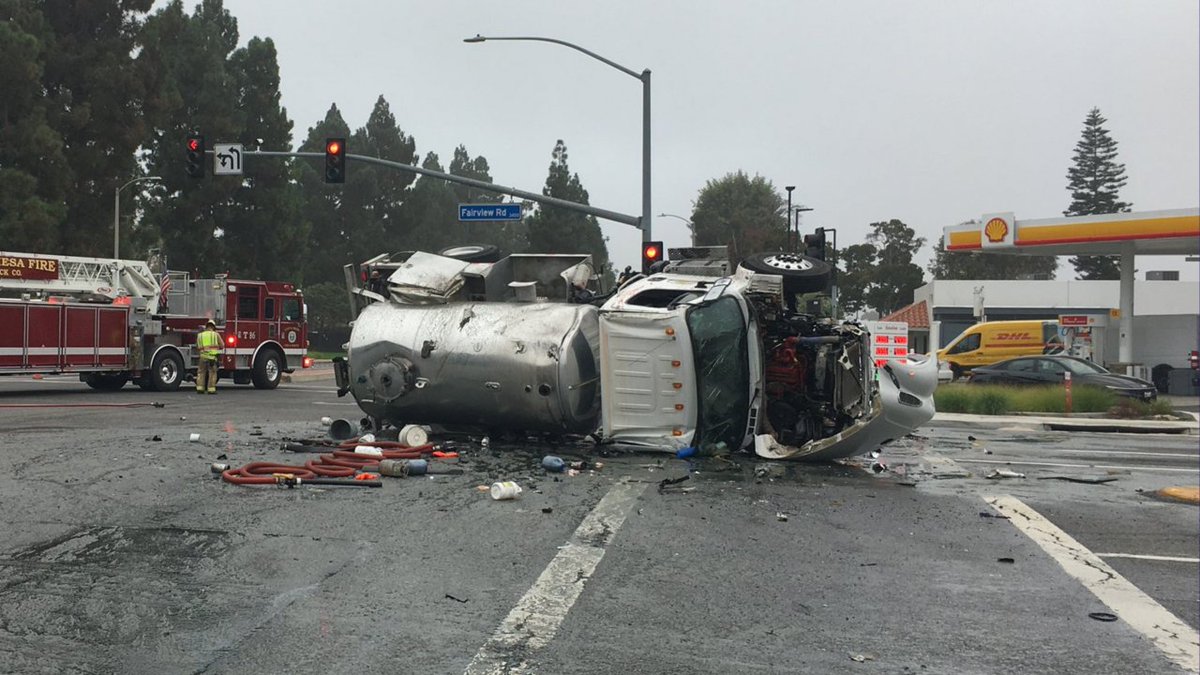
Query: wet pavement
(121, 553)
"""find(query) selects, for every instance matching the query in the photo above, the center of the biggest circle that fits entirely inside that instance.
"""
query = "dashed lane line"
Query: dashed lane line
(1177, 640)
(535, 619)
(1147, 556)
(1130, 467)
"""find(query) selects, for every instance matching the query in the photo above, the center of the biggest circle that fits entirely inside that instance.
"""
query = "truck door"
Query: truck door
(248, 327)
(290, 324)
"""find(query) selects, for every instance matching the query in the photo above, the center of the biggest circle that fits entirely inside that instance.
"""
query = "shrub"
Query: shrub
(952, 398)
(992, 401)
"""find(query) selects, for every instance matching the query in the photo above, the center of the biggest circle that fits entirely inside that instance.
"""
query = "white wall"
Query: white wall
(1149, 297)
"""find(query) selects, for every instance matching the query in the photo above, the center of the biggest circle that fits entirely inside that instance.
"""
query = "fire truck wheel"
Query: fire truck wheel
(106, 381)
(166, 372)
(268, 368)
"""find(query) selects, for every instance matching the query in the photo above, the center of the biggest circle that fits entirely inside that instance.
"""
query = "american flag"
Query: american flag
(164, 286)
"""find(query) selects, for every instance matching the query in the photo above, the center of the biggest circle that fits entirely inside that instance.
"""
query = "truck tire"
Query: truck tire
(106, 381)
(166, 371)
(472, 253)
(268, 369)
(801, 274)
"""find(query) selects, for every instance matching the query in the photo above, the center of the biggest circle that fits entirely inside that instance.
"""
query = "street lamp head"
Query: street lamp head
(477, 38)
(789, 188)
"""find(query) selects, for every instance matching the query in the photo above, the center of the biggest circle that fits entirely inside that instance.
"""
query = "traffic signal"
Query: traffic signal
(335, 160)
(195, 156)
(652, 252)
(814, 244)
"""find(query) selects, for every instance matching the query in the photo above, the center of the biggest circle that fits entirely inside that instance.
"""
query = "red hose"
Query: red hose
(338, 464)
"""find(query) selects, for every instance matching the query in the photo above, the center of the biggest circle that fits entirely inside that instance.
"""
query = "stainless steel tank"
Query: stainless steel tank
(523, 366)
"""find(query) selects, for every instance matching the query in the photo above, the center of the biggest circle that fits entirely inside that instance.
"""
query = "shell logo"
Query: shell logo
(996, 230)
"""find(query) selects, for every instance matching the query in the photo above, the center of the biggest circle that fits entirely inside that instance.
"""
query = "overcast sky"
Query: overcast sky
(930, 112)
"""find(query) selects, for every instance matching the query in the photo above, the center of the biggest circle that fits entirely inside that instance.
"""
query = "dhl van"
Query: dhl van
(986, 343)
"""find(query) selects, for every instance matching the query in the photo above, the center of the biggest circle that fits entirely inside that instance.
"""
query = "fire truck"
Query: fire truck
(114, 321)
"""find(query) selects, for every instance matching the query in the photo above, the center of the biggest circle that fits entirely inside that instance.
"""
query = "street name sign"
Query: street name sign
(482, 212)
(227, 159)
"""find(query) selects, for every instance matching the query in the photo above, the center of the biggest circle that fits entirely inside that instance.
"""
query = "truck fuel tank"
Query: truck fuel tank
(530, 366)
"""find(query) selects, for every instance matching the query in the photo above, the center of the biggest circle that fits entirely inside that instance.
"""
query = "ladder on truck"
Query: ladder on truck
(83, 278)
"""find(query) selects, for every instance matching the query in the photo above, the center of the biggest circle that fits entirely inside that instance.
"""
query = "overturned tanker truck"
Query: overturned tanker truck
(690, 356)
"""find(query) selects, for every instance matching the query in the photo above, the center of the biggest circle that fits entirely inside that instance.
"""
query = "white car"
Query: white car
(668, 360)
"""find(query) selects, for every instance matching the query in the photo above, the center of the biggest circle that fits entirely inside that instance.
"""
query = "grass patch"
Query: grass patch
(992, 399)
(325, 355)
(1130, 408)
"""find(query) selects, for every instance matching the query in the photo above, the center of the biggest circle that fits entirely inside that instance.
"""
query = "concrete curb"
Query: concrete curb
(1034, 422)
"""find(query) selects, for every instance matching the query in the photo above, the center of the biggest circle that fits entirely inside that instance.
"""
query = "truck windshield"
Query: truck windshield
(718, 332)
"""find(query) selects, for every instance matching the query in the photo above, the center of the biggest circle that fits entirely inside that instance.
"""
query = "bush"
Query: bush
(952, 398)
(991, 399)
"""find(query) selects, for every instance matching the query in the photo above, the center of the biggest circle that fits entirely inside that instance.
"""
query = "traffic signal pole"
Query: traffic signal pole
(490, 187)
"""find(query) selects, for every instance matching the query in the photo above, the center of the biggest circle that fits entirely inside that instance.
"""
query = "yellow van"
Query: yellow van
(986, 343)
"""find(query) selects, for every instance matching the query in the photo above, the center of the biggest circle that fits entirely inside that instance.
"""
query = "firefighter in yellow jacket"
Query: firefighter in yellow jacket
(208, 344)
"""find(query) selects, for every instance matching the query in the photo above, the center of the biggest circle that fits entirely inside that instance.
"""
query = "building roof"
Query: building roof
(915, 315)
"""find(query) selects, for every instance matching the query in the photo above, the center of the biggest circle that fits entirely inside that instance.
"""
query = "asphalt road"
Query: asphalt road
(121, 553)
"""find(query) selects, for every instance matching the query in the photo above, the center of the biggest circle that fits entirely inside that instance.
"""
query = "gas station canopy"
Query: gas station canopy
(1174, 232)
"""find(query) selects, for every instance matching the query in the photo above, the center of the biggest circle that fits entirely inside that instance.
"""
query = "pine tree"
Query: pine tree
(1094, 181)
(557, 230)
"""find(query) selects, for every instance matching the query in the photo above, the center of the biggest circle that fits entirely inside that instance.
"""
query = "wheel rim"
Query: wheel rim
(168, 371)
(788, 261)
(271, 368)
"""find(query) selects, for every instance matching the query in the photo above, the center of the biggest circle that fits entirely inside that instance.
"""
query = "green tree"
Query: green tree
(746, 214)
(186, 61)
(976, 265)
(35, 177)
(508, 236)
(431, 212)
(266, 234)
(558, 230)
(1094, 180)
(880, 273)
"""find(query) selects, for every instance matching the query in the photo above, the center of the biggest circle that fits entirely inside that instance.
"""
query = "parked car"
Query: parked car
(1051, 370)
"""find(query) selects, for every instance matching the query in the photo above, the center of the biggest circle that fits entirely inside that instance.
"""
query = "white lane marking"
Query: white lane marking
(1130, 467)
(1179, 641)
(355, 405)
(1147, 556)
(535, 619)
(1130, 453)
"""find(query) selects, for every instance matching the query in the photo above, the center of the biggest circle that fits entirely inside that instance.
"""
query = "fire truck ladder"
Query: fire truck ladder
(95, 278)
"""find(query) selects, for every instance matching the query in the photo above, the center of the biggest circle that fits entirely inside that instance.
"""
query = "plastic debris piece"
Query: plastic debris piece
(781, 517)
(442, 454)
(505, 490)
(572, 472)
(553, 464)
(989, 514)
(194, 437)
(326, 421)
(1103, 616)
(669, 482)
(1006, 560)
(547, 509)
(183, 418)
(482, 488)
(367, 476)
(971, 438)
(684, 453)
(878, 467)
(1004, 473)
(1091, 480)
(861, 658)
(461, 600)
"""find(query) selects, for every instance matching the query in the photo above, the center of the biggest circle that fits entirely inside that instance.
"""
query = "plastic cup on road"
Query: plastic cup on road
(413, 435)
(505, 490)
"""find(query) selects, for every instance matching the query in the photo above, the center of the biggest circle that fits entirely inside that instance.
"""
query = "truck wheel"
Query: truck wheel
(268, 369)
(801, 274)
(166, 371)
(106, 381)
(472, 253)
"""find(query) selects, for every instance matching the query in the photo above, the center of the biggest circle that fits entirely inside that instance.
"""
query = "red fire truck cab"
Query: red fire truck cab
(115, 321)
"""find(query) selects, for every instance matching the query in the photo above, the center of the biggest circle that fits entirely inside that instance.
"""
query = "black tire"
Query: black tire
(166, 371)
(268, 369)
(106, 381)
(472, 253)
(801, 274)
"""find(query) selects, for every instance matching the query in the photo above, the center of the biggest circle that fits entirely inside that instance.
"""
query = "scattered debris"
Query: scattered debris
(155, 437)
(451, 597)
(867, 564)
(1103, 616)
(860, 658)
(1091, 480)
(572, 472)
(326, 421)
(878, 467)
(218, 468)
(781, 517)
(505, 490)
(875, 454)
(669, 482)
(482, 488)
(989, 514)
(553, 464)
(971, 438)
(256, 433)
(547, 509)
(1006, 560)
(684, 453)
(194, 437)
(1004, 473)
(222, 456)
(183, 418)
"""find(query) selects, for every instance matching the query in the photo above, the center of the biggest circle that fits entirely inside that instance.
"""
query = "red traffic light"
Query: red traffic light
(333, 147)
(193, 144)
(651, 252)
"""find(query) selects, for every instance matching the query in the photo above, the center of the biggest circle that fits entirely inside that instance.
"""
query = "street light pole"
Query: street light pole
(117, 212)
(788, 221)
(691, 227)
(644, 76)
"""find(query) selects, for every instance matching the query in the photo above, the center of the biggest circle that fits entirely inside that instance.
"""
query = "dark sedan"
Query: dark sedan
(1051, 370)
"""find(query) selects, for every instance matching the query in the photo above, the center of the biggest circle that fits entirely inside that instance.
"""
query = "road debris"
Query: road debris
(781, 517)
(460, 600)
(861, 658)
(989, 514)
(668, 483)
(1102, 616)
(1003, 473)
(504, 490)
(1006, 560)
(193, 437)
(553, 464)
